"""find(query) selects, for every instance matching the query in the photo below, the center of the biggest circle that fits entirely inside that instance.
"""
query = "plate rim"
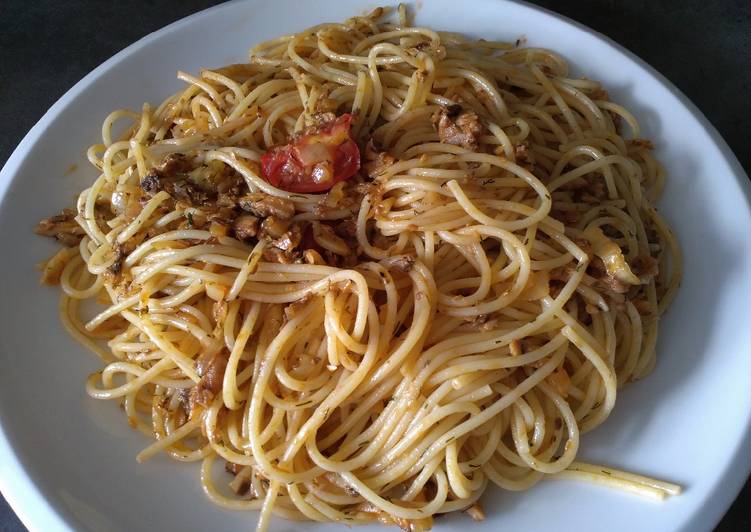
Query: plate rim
(36, 511)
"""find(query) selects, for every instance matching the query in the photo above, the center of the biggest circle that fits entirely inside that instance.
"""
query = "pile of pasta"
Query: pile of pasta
(457, 312)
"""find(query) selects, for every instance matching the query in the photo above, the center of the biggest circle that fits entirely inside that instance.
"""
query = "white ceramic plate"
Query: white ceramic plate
(67, 461)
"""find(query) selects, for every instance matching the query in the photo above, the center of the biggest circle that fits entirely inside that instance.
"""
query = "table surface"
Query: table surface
(47, 46)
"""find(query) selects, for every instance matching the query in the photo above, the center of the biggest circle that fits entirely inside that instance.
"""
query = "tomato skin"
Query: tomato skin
(335, 156)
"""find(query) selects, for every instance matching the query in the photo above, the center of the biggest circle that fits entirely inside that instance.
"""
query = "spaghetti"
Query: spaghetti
(372, 270)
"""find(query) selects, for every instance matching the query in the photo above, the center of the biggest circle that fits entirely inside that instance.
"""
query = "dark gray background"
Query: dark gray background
(703, 47)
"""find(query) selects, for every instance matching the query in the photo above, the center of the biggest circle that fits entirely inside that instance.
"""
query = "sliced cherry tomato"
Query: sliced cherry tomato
(314, 162)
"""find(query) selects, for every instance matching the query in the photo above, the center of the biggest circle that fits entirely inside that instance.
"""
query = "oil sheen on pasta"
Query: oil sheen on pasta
(454, 315)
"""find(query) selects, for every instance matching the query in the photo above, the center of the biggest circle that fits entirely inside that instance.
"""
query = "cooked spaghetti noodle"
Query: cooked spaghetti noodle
(455, 313)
